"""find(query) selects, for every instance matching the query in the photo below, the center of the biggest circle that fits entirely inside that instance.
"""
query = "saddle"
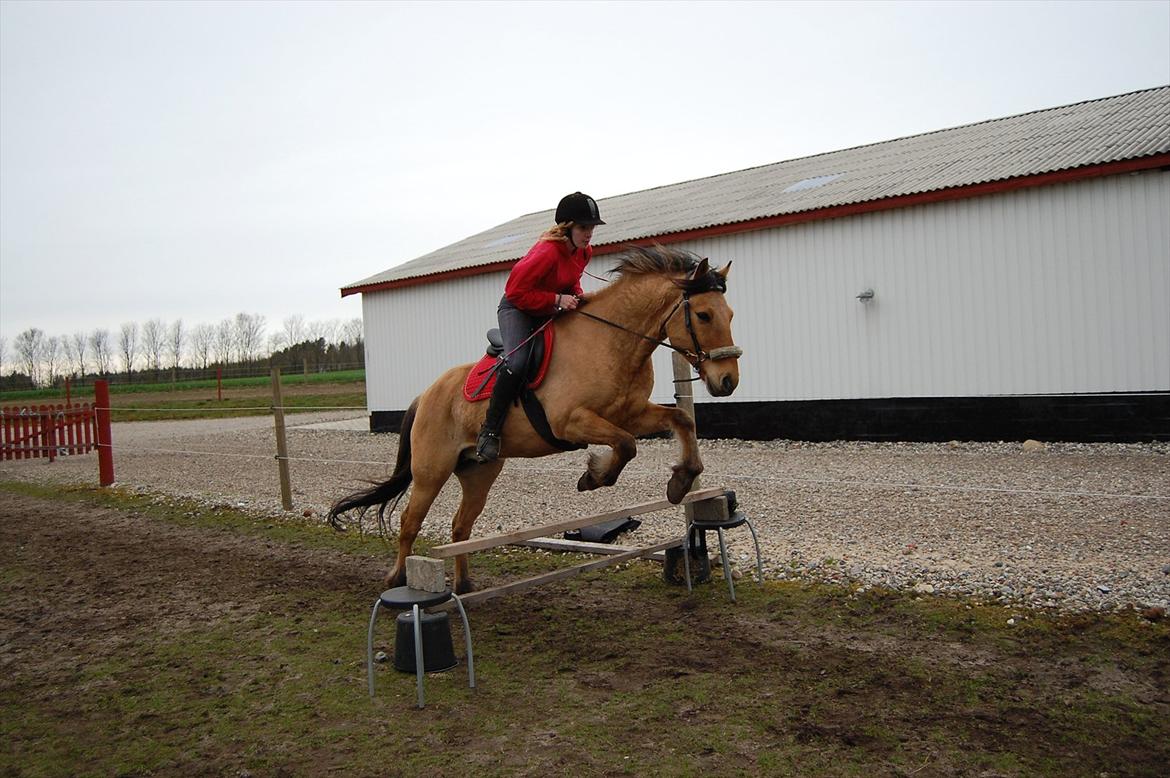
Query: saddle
(482, 377)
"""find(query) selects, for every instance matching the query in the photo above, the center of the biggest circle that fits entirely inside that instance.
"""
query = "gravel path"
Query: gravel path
(1073, 526)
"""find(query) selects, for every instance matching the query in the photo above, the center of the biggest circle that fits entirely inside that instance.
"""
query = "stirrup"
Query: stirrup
(487, 448)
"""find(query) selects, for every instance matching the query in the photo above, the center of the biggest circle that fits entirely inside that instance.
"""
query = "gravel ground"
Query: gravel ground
(1072, 526)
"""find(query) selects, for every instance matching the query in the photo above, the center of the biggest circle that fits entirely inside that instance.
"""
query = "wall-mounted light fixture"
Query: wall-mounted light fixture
(865, 296)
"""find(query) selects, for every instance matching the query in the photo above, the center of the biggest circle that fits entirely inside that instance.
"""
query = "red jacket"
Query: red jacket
(548, 269)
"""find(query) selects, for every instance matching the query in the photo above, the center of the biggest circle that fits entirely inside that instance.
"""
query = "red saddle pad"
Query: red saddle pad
(479, 371)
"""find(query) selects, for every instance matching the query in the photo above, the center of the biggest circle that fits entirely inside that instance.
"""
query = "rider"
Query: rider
(547, 280)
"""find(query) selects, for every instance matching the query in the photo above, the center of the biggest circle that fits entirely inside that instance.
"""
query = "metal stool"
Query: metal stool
(719, 513)
(404, 598)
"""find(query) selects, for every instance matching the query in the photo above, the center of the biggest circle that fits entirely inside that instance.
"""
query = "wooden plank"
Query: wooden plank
(585, 547)
(567, 572)
(463, 547)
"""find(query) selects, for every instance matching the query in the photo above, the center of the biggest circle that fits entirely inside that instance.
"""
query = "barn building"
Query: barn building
(1003, 280)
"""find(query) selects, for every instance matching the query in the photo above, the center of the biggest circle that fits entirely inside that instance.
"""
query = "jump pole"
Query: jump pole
(684, 398)
(449, 550)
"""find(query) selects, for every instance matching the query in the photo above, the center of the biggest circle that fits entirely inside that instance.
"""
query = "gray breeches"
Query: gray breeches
(515, 326)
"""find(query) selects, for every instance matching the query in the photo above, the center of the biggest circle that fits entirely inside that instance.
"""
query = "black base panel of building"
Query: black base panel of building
(386, 421)
(1082, 418)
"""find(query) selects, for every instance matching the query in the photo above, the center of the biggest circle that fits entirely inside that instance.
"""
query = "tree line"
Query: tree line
(161, 350)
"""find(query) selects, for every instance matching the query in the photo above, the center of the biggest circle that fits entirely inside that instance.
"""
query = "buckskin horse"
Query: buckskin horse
(596, 391)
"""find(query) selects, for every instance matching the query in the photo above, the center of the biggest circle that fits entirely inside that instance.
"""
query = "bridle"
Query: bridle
(698, 355)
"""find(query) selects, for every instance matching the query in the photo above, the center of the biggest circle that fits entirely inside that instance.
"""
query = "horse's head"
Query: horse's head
(702, 325)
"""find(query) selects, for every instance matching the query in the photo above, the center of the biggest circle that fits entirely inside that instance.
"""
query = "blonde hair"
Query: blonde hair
(559, 232)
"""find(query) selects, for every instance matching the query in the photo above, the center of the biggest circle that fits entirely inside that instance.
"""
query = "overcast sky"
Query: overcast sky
(195, 160)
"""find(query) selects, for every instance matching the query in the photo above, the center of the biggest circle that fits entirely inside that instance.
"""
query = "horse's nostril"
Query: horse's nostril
(727, 385)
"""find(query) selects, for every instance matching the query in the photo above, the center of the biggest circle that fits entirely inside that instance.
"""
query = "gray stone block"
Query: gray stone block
(426, 574)
(712, 510)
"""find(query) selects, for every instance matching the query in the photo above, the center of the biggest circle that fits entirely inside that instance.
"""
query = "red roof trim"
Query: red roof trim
(832, 212)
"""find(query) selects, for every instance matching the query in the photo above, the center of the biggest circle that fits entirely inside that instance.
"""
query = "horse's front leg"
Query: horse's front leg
(659, 418)
(585, 426)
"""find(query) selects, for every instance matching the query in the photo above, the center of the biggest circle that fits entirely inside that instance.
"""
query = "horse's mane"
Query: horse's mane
(663, 260)
(656, 259)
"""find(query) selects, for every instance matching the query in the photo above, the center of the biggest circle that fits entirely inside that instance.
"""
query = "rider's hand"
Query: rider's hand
(567, 302)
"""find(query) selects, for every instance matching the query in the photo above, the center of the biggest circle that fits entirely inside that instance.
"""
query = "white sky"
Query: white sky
(196, 160)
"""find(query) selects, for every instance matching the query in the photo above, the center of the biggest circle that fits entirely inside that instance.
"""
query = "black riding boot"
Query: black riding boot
(487, 447)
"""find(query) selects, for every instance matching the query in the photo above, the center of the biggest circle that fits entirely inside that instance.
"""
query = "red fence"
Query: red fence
(28, 432)
(51, 431)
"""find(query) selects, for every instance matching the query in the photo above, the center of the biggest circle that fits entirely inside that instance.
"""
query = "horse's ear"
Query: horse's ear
(723, 271)
(702, 269)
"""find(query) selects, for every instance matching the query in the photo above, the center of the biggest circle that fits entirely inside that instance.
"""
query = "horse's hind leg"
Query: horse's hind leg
(476, 481)
(422, 496)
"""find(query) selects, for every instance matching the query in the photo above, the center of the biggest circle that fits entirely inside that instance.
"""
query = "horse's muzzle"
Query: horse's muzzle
(721, 386)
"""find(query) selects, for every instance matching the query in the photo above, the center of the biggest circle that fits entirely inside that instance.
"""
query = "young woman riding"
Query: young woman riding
(546, 281)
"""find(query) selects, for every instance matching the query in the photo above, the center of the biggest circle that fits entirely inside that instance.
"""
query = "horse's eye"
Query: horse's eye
(704, 317)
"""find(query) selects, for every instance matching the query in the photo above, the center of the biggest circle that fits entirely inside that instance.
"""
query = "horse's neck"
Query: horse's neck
(639, 304)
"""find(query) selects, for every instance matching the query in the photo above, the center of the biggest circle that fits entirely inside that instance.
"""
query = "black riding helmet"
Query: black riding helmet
(578, 208)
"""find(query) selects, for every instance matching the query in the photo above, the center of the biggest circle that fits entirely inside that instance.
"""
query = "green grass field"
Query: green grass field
(291, 379)
(206, 400)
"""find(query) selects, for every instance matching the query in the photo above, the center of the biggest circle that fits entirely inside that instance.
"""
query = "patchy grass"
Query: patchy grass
(209, 641)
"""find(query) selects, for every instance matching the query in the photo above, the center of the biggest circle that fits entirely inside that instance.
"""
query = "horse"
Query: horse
(596, 390)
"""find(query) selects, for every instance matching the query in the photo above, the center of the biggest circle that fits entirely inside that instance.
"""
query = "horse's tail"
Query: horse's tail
(381, 494)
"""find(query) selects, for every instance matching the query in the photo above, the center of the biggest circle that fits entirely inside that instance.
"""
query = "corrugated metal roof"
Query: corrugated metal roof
(1111, 129)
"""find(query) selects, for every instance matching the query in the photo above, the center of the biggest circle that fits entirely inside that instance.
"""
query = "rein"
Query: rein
(687, 354)
(696, 357)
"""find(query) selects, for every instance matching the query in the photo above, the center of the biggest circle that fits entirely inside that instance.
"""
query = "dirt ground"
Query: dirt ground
(87, 586)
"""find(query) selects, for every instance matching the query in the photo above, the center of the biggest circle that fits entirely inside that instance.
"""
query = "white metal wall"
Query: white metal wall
(415, 333)
(1061, 289)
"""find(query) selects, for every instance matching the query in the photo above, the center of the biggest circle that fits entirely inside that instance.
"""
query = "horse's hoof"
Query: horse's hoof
(678, 487)
(585, 482)
(392, 581)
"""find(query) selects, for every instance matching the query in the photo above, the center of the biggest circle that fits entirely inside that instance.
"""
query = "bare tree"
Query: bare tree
(249, 335)
(70, 354)
(77, 353)
(293, 331)
(99, 341)
(29, 346)
(202, 338)
(154, 337)
(128, 347)
(52, 357)
(175, 340)
(323, 330)
(224, 340)
(351, 332)
(3, 354)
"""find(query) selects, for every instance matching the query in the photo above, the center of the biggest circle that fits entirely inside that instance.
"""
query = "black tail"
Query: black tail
(381, 494)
